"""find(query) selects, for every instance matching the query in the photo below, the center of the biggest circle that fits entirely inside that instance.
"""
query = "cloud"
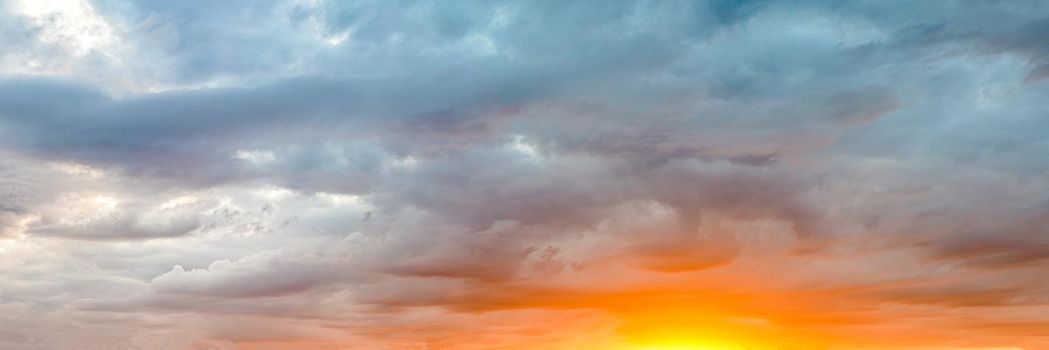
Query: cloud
(119, 227)
(263, 175)
(248, 277)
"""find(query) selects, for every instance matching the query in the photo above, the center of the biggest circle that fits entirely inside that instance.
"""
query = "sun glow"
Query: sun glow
(680, 342)
(687, 346)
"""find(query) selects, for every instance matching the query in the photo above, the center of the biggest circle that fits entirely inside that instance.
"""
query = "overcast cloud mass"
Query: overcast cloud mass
(519, 175)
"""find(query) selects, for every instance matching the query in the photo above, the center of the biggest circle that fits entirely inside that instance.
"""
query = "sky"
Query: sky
(524, 175)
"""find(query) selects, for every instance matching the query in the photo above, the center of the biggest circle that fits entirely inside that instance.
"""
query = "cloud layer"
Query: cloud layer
(523, 175)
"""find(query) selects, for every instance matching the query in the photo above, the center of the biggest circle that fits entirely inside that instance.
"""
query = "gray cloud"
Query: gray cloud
(118, 227)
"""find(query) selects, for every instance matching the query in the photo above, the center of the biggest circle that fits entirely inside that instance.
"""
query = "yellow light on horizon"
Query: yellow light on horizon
(691, 344)
(688, 347)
